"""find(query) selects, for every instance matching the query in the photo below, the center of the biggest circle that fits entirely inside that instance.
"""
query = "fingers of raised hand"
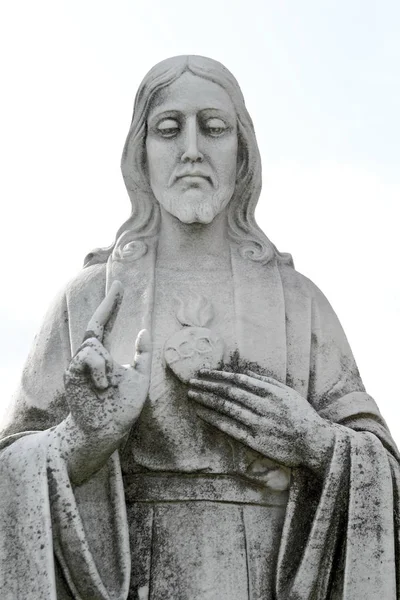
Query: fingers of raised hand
(104, 316)
(92, 358)
(142, 359)
(224, 406)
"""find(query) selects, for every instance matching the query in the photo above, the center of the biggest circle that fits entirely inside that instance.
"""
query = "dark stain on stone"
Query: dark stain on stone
(236, 364)
(33, 418)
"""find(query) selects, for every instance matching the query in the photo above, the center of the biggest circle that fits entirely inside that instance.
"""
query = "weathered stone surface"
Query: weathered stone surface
(235, 454)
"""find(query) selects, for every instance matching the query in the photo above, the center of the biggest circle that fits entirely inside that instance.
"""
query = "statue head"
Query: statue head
(191, 148)
(231, 181)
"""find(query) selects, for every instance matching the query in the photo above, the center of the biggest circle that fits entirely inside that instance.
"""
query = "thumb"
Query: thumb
(142, 359)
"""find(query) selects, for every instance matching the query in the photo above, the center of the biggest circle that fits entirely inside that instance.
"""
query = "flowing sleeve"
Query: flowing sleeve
(57, 540)
(340, 537)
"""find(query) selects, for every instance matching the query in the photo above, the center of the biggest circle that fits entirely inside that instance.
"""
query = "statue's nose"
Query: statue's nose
(191, 150)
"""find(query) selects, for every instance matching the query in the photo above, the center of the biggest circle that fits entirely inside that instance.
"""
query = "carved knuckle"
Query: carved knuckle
(81, 356)
(67, 376)
(236, 379)
(87, 343)
(235, 393)
(95, 360)
(71, 377)
(94, 344)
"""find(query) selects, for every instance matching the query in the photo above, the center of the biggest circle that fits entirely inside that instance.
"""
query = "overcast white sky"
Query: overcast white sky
(321, 81)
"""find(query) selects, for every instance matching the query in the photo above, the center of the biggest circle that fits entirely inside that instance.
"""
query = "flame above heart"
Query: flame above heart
(196, 312)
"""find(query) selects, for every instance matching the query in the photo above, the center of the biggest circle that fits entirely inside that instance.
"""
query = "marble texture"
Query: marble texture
(191, 423)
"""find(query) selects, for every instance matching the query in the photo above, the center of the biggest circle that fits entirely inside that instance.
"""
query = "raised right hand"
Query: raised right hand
(104, 396)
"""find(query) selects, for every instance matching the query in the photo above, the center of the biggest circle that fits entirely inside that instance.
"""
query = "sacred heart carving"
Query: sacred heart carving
(195, 346)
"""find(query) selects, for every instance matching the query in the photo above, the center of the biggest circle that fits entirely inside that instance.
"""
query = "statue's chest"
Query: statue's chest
(194, 316)
(193, 321)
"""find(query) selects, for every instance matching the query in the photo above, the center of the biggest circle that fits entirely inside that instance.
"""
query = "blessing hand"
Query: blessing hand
(104, 397)
(266, 415)
(102, 394)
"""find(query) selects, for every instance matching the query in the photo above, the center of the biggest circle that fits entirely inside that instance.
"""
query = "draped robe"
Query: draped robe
(340, 532)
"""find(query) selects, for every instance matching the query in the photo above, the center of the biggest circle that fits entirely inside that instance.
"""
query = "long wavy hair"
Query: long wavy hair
(141, 228)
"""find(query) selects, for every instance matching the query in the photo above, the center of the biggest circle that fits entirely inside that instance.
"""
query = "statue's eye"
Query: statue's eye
(168, 128)
(215, 126)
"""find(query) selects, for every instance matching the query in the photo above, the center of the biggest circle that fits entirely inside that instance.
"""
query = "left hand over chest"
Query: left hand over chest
(266, 415)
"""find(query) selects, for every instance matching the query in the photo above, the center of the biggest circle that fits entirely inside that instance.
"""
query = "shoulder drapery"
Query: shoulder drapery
(41, 515)
(340, 538)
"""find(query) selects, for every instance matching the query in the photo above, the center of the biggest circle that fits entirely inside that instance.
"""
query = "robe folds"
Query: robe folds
(340, 536)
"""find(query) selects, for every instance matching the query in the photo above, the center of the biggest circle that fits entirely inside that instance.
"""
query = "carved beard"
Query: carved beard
(193, 206)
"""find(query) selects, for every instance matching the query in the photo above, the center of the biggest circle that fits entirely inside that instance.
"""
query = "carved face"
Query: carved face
(191, 148)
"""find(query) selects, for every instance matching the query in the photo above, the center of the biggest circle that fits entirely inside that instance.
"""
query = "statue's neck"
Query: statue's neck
(193, 246)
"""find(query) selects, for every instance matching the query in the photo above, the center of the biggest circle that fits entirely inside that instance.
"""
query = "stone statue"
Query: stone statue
(235, 455)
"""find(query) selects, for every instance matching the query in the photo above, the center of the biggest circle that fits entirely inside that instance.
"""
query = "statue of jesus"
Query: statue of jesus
(191, 423)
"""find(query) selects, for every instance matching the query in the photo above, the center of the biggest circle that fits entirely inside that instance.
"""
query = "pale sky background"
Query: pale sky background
(321, 80)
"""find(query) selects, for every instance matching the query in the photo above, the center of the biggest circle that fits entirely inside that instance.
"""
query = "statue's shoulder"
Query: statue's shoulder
(85, 292)
(295, 282)
(91, 281)
(82, 295)
(87, 282)
(297, 288)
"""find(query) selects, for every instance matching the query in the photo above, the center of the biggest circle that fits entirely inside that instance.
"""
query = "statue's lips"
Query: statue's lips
(195, 176)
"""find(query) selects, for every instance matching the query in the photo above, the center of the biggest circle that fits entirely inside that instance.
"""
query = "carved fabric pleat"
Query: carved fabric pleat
(203, 550)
